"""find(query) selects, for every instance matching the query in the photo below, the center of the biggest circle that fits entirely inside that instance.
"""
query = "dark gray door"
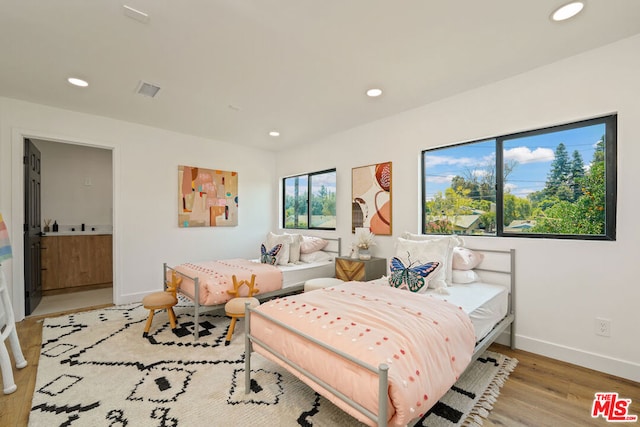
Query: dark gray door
(32, 262)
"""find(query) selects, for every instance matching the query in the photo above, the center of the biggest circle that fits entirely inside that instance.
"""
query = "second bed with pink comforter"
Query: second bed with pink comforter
(427, 344)
(215, 278)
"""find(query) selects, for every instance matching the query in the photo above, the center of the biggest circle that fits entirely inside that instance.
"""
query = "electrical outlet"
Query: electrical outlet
(603, 327)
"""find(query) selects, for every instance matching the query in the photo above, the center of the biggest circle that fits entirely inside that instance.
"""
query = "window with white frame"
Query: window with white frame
(556, 182)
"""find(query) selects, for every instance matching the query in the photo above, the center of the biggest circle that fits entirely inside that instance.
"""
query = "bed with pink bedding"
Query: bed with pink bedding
(205, 283)
(376, 325)
(215, 278)
(382, 354)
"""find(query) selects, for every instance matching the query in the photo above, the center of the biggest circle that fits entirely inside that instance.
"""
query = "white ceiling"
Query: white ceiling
(233, 70)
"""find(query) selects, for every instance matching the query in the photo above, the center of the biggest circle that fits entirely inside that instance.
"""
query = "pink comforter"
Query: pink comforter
(215, 278)
(426, 342)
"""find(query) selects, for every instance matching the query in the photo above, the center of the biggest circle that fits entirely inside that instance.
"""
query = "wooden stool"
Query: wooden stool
(234, 308)
(164, 300)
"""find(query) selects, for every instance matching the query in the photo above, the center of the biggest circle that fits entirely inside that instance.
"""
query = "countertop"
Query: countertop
(77, 233)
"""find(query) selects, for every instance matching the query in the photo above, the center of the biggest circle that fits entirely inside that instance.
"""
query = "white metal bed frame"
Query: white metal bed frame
(335, 246)
(382, 370)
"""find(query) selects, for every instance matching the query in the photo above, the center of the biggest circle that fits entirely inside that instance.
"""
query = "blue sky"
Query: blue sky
(326, 179)
(533, 155)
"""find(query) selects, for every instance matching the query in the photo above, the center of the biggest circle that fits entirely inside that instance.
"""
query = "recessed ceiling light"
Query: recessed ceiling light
(77, 82)
(374, 92)
(567, 11)
(274, 133)
(136, 14)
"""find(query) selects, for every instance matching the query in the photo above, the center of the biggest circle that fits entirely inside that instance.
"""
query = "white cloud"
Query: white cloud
(517, 191)
(432, 161)
(434, 179)
(508, 188)
(525, 155)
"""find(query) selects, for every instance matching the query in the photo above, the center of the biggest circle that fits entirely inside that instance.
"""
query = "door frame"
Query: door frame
(17, 209)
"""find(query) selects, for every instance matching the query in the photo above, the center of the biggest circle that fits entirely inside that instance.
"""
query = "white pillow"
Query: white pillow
(294, 247)
(466, 259)
(424, 251)
(273, 239)
(420, 237)
(464, 276)
(454, 241)
(311, 244)
(317, 256)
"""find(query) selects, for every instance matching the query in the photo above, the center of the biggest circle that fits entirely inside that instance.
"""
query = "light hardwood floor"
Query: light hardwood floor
(540, 391)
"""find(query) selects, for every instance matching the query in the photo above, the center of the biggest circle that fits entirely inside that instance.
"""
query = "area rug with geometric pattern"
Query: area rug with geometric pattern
(96, 369)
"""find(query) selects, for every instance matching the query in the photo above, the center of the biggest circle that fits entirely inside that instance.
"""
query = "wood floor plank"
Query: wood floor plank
(15, 407)
(547, 392)
(539, 392)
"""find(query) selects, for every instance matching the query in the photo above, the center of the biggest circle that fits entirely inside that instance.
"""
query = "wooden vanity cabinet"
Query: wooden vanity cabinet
(49, 262)
(72, 261)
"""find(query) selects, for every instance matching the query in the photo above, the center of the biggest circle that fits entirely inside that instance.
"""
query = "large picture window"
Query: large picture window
(556, 182)
(310, 201)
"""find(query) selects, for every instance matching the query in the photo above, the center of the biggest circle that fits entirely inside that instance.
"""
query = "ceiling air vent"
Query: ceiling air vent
(147, 89)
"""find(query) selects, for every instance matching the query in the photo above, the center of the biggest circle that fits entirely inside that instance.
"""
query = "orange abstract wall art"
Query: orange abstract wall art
(371, 198)
(207, 197)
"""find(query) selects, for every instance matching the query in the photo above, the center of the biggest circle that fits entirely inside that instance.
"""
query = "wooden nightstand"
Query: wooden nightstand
(360, 270)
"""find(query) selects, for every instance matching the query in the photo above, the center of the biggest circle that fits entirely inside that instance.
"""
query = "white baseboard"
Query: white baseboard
(610, 365)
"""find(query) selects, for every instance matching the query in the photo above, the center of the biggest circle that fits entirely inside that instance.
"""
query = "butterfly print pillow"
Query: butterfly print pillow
(412, 277)
(269, 257)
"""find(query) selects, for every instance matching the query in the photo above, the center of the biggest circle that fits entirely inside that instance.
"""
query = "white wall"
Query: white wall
(76, 185)
(145, 183)
(563, 285)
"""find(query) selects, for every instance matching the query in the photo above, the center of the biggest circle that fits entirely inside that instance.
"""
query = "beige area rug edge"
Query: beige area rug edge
(485, 402)
(96, 369)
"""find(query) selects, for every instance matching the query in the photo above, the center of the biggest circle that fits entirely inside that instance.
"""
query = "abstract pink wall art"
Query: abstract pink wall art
(207, 197)
(371, 198)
